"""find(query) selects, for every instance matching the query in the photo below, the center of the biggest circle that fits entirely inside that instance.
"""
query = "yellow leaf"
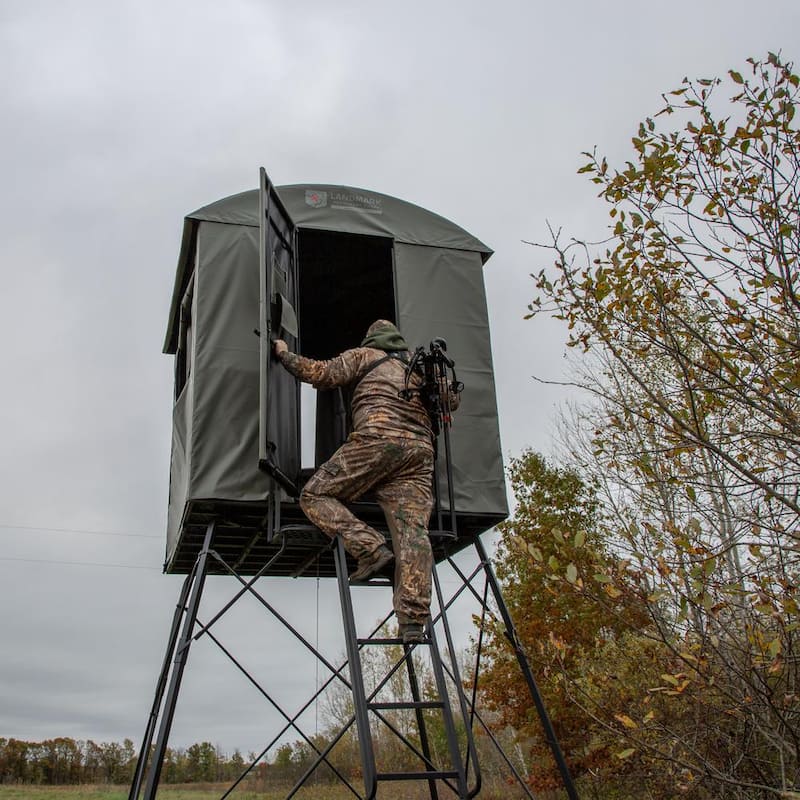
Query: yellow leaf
(669, 678)
(626, 720)
(612, 591)
(626, 753)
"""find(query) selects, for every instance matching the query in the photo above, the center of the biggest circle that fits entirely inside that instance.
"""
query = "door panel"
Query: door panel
(279, 395)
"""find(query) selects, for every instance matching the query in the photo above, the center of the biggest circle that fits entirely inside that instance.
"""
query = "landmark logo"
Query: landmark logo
(351, 200)
(316, 199)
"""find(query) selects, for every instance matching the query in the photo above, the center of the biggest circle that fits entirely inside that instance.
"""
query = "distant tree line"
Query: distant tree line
(63, 761)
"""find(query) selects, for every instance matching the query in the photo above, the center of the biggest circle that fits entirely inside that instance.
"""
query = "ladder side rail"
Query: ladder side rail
(161, 686)
(356, 676)
(375, 708)
(483, 601)
(471, 749)
(466, 584)
(522, 659)
(410, 745)
(181, 657)
(475, 715)
(430, 767)
(472, 703)
(447, 712)
(388, 723)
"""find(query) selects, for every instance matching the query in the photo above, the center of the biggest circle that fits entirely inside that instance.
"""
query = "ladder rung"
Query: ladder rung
(415, 776)
(395, 640)
(407, 704)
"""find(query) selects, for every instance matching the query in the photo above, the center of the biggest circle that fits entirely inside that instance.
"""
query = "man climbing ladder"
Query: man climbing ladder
(389, 452)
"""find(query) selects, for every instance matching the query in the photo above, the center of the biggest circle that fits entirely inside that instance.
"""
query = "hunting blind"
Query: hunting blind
(315, 265)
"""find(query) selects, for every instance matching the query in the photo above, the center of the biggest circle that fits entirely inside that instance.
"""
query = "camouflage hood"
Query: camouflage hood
(383, 335)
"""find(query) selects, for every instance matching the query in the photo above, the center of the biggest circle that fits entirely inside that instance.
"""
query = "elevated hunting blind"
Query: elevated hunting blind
(315, 265)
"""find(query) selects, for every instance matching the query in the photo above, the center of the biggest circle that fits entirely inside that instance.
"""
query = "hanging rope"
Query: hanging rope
(316, 665)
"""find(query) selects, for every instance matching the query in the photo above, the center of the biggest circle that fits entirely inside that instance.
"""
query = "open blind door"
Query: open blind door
(279, 394)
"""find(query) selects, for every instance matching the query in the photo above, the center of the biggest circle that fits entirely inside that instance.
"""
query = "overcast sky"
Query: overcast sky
(119, 118)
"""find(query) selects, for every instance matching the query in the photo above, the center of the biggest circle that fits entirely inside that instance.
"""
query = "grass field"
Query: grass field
(194, 792)
(200, 792)
(419, 791)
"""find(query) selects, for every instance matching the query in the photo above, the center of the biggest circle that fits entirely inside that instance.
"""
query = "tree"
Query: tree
(697, 303)
(235, 765)
(550, 551)
(202, 762)
(15, 762)
(689, 325)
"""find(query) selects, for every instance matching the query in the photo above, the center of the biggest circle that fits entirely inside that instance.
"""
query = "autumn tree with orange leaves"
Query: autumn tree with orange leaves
(550, 552)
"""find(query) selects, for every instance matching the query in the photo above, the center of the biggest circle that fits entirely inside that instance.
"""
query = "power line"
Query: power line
(79, 530)
(77, 563)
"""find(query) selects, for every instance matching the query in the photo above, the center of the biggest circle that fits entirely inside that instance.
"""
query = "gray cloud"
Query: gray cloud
(119, 118)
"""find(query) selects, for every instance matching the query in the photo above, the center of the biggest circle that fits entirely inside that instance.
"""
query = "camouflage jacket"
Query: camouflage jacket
(377, 407)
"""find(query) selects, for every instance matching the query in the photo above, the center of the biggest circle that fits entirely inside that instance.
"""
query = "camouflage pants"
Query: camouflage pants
(399, 474)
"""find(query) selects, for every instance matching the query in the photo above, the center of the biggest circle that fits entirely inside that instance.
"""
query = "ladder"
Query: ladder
(366, 707)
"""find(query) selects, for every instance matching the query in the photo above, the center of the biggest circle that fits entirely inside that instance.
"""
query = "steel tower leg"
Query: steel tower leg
(181, 656)
(141, 764)
(416, 695)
